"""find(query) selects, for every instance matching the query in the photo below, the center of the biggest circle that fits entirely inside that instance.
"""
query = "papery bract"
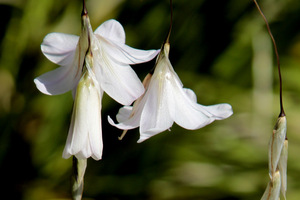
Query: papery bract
(276, 144)
(273, 189)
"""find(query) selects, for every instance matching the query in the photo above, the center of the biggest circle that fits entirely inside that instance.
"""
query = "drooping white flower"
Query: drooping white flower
(85, 132)
(111, 59)
(166, 101)
(90, 65)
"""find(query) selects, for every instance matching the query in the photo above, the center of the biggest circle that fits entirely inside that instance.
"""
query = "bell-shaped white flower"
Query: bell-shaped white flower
(85, 132)
(111, 61)
(166, 101)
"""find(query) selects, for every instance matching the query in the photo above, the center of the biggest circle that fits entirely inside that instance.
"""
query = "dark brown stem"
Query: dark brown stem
(84, 10)
(282, 113)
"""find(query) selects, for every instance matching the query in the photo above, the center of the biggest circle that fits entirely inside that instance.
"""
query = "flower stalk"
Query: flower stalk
(79, 167)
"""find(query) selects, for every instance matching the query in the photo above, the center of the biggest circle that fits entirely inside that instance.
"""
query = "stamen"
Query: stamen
(123, 134)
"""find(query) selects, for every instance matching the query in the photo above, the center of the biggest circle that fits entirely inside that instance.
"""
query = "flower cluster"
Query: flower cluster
(93, 63)
(98, 62)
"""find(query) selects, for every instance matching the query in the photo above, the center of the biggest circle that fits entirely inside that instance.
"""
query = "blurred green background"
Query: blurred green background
(220, 49)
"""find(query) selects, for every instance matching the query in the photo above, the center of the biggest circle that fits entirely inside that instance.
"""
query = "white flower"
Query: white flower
(165, 102)
(111, 62)
(84, 137)
(90, 65)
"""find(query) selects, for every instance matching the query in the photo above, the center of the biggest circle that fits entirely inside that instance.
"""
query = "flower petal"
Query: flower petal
(119, 81)
(124, 113)
(78, 133)
(59, 47)
(220, 111)
(58, 81)
(112, 30)
(125, 54)
(85, 138)
(155, 117)
(127, 120)
(185, 111)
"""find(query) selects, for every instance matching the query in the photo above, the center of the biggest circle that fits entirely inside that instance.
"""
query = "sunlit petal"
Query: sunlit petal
(58, 81)
(85, 138)
(124, 113)
(119, 81)
(125, 54)
(67, 51)
(60, 48)
(155, 117)
(112, 30)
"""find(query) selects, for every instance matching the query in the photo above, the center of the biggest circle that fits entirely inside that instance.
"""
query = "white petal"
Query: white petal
(185, 111)
(59, 47)
(124, 113)
(85, 136)
(155, 117)
(191, 94)
(125, 54)
(119, 81)
(127, 120)
(78, 133)
(94, 123)
(58, 81)
(220, 111)
(112, 30)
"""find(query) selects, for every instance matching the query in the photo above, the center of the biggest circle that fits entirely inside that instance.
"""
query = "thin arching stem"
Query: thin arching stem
(282, 113)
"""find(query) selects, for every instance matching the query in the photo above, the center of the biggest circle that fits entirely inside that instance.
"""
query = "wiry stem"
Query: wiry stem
(282, 113)
(84, 10)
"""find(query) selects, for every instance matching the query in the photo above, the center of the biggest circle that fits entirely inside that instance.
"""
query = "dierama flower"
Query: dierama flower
(84, 138)
(166, 101)
(91, 64)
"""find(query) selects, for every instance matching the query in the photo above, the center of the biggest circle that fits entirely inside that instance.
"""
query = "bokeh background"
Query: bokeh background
(220, 49)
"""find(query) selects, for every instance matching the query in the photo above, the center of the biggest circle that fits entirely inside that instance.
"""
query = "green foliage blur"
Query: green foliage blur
(220, 49)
